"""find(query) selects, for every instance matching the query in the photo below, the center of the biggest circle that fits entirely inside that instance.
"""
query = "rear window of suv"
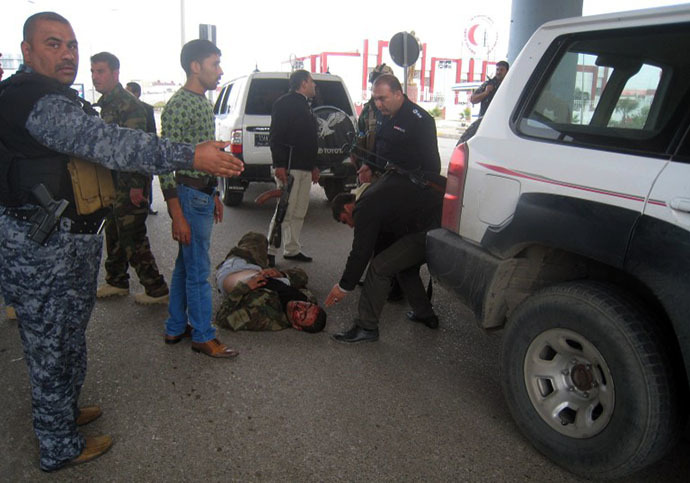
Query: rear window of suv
(264, 92)
(623, 89)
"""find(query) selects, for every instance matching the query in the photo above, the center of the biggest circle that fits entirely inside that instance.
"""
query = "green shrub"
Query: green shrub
(436, 112)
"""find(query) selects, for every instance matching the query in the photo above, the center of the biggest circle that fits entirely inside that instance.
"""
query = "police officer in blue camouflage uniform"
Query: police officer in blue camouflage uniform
(49, 140)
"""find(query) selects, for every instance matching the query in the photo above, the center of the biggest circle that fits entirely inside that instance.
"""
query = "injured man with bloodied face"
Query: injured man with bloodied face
(260, 298)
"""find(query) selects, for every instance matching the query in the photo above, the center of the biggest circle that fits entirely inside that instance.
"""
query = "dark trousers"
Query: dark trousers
(403, 258)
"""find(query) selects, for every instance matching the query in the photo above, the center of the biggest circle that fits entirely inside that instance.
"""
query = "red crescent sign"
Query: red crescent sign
(470, 34)
(484, 27)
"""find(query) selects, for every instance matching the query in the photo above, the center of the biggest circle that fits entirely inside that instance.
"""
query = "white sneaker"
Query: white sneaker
(110, 291)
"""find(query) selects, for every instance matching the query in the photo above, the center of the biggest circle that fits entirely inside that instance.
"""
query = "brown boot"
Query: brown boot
(214, 348)
(95, 446)
(88, 414)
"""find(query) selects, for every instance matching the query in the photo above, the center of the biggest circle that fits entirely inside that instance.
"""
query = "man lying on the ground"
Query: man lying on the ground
(262, 298)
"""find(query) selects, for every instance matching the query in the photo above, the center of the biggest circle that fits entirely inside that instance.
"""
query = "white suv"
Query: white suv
(243, 116)
(567, 220)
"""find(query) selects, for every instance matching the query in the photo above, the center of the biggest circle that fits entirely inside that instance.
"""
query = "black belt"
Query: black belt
(208, 190)
(200, 184)
(77, 227)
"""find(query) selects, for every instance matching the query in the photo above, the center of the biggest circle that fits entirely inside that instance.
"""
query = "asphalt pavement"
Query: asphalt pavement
(418, 405)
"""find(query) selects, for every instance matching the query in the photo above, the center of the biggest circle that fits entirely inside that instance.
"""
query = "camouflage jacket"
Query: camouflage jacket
(260, 309)
(122, 108)
(367, 124)
(186, 118)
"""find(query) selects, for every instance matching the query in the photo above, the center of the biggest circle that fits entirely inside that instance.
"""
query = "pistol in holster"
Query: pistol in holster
(47, 216)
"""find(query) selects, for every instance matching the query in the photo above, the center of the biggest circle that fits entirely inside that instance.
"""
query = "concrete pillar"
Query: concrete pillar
(528, 15)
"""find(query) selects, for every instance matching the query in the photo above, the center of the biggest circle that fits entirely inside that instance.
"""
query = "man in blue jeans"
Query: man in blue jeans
(193, 204)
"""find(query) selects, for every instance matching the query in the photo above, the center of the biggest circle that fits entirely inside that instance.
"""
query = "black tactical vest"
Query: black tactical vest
(23, 161)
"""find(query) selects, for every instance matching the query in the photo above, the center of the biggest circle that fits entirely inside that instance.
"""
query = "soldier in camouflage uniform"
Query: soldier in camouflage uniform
(125, 229)
(367, 124)
(52, 284)
(262, 298)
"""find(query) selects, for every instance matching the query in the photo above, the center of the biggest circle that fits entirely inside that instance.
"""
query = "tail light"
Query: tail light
(452, 200)
(236, 141)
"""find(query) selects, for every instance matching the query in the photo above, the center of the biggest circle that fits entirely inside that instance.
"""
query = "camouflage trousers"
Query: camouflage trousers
(53, 289)
(127, 244)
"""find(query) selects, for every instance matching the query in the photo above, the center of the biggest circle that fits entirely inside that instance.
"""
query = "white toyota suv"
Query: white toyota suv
(243, 116)
(566, 220)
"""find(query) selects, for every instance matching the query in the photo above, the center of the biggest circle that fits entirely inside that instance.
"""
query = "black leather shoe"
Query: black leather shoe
(431, 321)
(357, 334)
(300, 257)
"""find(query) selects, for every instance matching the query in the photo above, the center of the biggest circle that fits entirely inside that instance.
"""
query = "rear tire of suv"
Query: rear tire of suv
(588, 380)
(229, 191)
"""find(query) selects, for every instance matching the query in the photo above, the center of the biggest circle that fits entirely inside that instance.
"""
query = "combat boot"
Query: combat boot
(95, 446)
(107, 290)
(88, 414)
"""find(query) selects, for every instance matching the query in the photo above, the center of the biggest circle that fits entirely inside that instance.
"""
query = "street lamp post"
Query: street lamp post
(182, 22)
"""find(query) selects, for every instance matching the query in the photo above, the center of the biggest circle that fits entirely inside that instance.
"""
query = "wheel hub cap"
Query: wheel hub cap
(582, 377)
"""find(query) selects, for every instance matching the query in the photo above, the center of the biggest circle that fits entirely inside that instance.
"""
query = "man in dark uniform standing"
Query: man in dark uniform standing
(49, 136)
(485, 94)
(294, 146)
(407, 136)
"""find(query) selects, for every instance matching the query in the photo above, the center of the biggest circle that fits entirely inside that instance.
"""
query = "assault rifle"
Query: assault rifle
(416, 176)
(275, 236)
